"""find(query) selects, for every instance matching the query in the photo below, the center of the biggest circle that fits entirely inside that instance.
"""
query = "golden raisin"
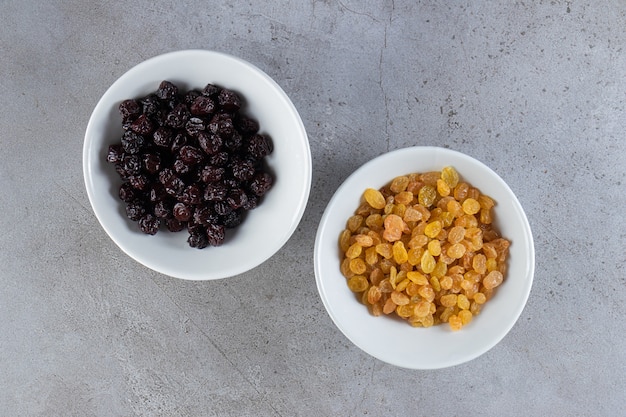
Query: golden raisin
(399, 252)
(384, 250)
(422, 309)
(373, 295)
(355, 222)
(443, 188)
(493, 279)
(374, 221)
(480, 298)
(446, 282)
(428, 262)
(389, 306)
(344, 240)
(479, 263)
(470, 206)
(394, 225)
(456, 234)
(427, 195)
(462, 302)
(399, 298)
(374, 198)
(456, 251)
(358, 266)
(450, 176)
(448, 300)
(417, 277)
(455, 322)
(424, 248)
(433, 228)
(354, 251)
(371, 256)
(358, 283)
(465, 316)
(405, 198)
(399, 184)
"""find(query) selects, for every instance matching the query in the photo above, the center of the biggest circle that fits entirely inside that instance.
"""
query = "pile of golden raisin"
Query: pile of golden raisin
(423, 248)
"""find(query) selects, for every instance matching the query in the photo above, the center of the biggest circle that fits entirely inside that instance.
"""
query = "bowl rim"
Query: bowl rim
(334, 311)
(91, 139)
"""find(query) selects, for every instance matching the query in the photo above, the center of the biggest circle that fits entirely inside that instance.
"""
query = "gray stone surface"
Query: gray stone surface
(535, 89)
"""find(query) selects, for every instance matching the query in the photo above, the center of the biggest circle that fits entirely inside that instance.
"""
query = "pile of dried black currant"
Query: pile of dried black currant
(190, 160)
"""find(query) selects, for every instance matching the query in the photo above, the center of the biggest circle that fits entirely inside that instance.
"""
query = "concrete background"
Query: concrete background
(535, 89)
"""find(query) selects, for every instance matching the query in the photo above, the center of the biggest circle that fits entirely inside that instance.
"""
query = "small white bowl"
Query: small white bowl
(395, 341)
(265, 229)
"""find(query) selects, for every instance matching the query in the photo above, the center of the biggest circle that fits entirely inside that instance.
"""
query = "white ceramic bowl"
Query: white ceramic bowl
(265, 229)
(395, 341)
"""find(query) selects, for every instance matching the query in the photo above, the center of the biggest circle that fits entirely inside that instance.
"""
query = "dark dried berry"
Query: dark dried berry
(233, 219)
(151, 163)
(191, 96)
(189, 160)
(119, 168)
(149, 224)
(215, 192)
(182, 212)
(235, 142)
(142, 125)
(179, 141)
(202, 106)
(212, 173)
(139, 182)
(261, 183)
(194, 126)
(210, 90)
(166, 175)
(115, 154)
(222, 124)
(210, 143)
(192, 194)
(252, 202)
(204, 215)
(231, 183)
(135, 210)
(127, 193)
(220, 159)
(193, 227)
(157, 192)
(246, 125)
(198, 240)
(163, 209)
(190, 155)
(131, 165)
(222, 208)
(181, 167)
(150, 105)
(215, 234)
(242, 169)
(237, 198)
(132, 142)
(174, 225)
(178, 116)
(174, 187)
(129, 110)
(163, 137)
(167, 91)
(259, 146)
(229, 100)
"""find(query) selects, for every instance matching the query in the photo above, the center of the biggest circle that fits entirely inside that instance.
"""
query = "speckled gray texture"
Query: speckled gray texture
(535, 89)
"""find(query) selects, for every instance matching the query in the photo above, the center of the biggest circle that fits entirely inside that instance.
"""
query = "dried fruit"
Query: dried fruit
(374, 198)
(190, 160)
(430, 261)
